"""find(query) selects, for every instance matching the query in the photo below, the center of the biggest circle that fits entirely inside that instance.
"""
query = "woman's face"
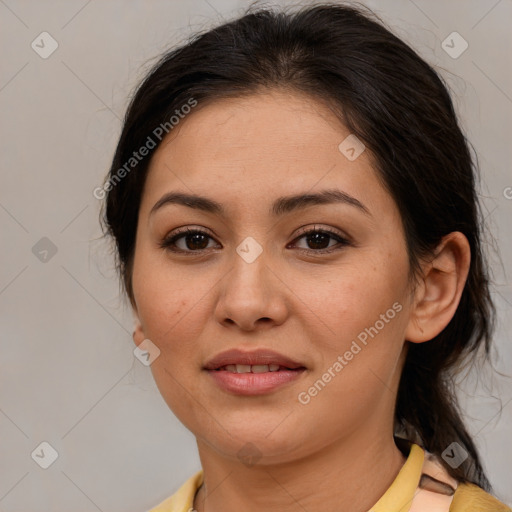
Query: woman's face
(255, 280)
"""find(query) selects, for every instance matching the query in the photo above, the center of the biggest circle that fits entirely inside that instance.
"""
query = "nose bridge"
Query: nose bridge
(249, 266)
(250, 291)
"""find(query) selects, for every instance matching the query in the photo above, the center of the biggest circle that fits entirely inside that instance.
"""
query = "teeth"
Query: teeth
(259, 368)
(247, 368)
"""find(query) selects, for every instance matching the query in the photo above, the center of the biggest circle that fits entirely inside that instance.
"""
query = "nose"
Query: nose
(252, 296)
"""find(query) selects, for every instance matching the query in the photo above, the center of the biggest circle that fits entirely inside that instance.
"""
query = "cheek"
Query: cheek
(364, 310)
(171, 312)
(355, 296)
(169, 303)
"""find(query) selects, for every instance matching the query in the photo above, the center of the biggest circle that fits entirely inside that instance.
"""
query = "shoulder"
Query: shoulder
(441, 492)
(182, 500)
(471, 498)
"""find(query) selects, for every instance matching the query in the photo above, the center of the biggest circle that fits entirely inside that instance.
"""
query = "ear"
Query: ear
(437, 295)
(138, 332)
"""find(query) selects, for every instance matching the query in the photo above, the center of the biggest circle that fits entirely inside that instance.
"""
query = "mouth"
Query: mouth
(255, 361)
(256, 368)
(259, 372)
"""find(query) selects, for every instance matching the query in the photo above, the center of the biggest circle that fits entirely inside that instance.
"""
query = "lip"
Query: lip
(253, 357)
(251, 384)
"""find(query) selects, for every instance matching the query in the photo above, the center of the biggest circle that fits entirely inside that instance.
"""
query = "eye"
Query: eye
(196, 240)
(319, 240)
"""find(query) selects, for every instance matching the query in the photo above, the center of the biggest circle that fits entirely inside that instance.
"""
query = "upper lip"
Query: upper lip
(253, 357)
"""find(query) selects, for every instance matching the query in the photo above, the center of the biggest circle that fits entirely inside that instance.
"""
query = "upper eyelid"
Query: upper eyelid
(305, 231)
(316, 227)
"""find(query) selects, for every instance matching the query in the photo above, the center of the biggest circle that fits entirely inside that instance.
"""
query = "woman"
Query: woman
(294, 210)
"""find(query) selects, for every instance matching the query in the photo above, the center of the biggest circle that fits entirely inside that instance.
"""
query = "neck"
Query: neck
(350, 474)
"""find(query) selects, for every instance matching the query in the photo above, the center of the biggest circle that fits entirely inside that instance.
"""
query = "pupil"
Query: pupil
(318, 239)
(196, 241)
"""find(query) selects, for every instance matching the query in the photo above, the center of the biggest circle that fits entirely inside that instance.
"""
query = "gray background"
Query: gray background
(68, 374)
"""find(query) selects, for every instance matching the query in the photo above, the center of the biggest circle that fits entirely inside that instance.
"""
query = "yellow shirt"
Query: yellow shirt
(422, 485)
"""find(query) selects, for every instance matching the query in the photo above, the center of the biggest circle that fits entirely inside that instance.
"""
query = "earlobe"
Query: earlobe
(438, 294)
(138, 332)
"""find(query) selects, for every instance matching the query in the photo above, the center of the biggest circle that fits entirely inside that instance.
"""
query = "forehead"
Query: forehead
(273, 124)
(246, 149)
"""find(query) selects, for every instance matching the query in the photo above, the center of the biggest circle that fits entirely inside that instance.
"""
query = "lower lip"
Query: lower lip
(253, 383)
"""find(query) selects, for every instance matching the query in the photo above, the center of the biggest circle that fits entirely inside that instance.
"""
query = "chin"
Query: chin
(258, 445)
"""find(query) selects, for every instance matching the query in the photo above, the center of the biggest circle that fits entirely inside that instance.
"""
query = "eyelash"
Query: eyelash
(170, 241)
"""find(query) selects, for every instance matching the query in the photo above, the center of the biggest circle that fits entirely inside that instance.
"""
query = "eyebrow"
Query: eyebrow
(281, 206)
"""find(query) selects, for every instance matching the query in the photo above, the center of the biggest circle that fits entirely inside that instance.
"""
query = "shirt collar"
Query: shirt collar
(398, 496)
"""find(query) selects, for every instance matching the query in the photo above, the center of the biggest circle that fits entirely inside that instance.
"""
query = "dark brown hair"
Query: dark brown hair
(400, 108)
